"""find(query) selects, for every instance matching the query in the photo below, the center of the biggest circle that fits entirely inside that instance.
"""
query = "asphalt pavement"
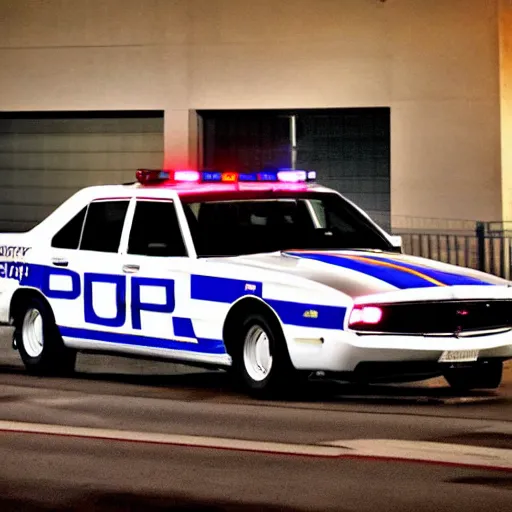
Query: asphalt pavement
(125, 435)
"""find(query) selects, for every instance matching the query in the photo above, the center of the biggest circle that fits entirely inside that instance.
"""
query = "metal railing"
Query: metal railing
(488, 247)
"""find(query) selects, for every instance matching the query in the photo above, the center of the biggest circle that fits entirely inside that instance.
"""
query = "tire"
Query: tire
(261, 363)
(483, 375)
(39, 342)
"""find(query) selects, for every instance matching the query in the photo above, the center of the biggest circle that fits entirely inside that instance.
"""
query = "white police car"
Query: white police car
(267, 273)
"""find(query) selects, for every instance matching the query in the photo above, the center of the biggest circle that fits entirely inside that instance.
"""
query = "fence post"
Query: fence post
(480, 241)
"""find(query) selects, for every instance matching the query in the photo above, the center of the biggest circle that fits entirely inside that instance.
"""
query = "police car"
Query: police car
(267, 274)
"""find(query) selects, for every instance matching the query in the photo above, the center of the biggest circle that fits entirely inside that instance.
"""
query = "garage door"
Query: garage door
(44, 159)
(349, 148)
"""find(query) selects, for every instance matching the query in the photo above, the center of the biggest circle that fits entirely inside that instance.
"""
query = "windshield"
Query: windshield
(249, 226)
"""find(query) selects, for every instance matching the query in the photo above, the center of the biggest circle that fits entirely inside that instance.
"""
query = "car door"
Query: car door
(86, 286)
(156, 257)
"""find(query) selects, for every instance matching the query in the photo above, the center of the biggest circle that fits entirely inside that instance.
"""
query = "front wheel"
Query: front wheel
(482, 375)
(261, 362)
(39, 342)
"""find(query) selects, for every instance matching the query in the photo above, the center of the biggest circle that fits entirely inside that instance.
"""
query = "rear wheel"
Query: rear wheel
(483, 375)
(261, 362)
(39, 342)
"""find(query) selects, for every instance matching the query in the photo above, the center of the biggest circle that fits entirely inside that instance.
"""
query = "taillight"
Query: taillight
(365, 315)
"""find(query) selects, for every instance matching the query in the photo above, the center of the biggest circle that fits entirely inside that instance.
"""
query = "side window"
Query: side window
(156, 230)
(69, 236)
(104, 226)
(318, 210)
(329, 219)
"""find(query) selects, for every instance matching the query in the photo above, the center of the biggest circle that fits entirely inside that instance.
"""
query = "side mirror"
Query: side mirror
(396, 242)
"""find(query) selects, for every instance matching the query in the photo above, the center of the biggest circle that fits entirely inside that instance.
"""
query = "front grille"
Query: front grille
(442, 317)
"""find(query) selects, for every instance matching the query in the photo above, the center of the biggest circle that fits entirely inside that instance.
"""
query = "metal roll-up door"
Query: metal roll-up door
(45, 158)
(246, 141)
(349, 148)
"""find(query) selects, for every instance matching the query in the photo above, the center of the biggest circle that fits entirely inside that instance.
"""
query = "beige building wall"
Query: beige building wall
(506, 105)
(435, 63)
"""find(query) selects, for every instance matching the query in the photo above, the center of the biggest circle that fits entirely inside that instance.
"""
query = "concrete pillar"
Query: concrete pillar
(505, 42)
(180, 139)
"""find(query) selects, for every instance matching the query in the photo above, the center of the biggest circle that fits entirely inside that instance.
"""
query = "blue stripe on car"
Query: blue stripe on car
(183, 327)
(222, 289)
(225, 290)
(204, 345)
(394, 277)
(308, 315)
(447, 278)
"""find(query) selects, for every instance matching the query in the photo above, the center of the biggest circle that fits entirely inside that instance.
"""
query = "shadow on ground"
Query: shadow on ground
(211, 385)
(119, 502)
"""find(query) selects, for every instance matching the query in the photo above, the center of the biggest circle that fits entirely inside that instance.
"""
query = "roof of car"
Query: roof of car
(191, 192)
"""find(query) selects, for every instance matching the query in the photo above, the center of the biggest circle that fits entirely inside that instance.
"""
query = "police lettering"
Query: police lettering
(120, 283)
(137, 305)
(91, 317)
(13, 270)
(13, 251)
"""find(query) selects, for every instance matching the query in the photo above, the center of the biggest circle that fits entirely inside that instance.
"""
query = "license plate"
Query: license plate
(458, 356)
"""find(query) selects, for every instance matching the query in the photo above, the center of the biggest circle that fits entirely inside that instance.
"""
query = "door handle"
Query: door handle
(131, 269)
(60, 262)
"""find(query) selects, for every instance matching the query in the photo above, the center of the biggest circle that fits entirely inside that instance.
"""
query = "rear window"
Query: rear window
(316, 221)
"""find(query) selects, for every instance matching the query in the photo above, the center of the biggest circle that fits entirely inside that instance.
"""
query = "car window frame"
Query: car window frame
(104, 200)
(55, 233)
(129, 224)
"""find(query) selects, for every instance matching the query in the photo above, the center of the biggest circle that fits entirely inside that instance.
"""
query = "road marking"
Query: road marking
(375, 449)
(415, 399)
(174, 439)
(442, 453)
(496, 427)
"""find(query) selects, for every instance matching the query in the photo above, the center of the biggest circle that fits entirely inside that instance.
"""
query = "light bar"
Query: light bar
(148, 176)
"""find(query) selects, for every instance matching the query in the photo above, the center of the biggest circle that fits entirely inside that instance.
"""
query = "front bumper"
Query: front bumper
(344, 351)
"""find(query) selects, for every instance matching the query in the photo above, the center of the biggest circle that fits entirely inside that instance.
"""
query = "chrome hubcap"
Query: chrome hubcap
(32, 333)
(257, 356)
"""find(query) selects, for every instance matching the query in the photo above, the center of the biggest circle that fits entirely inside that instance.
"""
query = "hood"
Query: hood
(363, 273)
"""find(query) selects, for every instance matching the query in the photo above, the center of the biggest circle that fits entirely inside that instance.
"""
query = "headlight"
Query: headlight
(365, 315)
